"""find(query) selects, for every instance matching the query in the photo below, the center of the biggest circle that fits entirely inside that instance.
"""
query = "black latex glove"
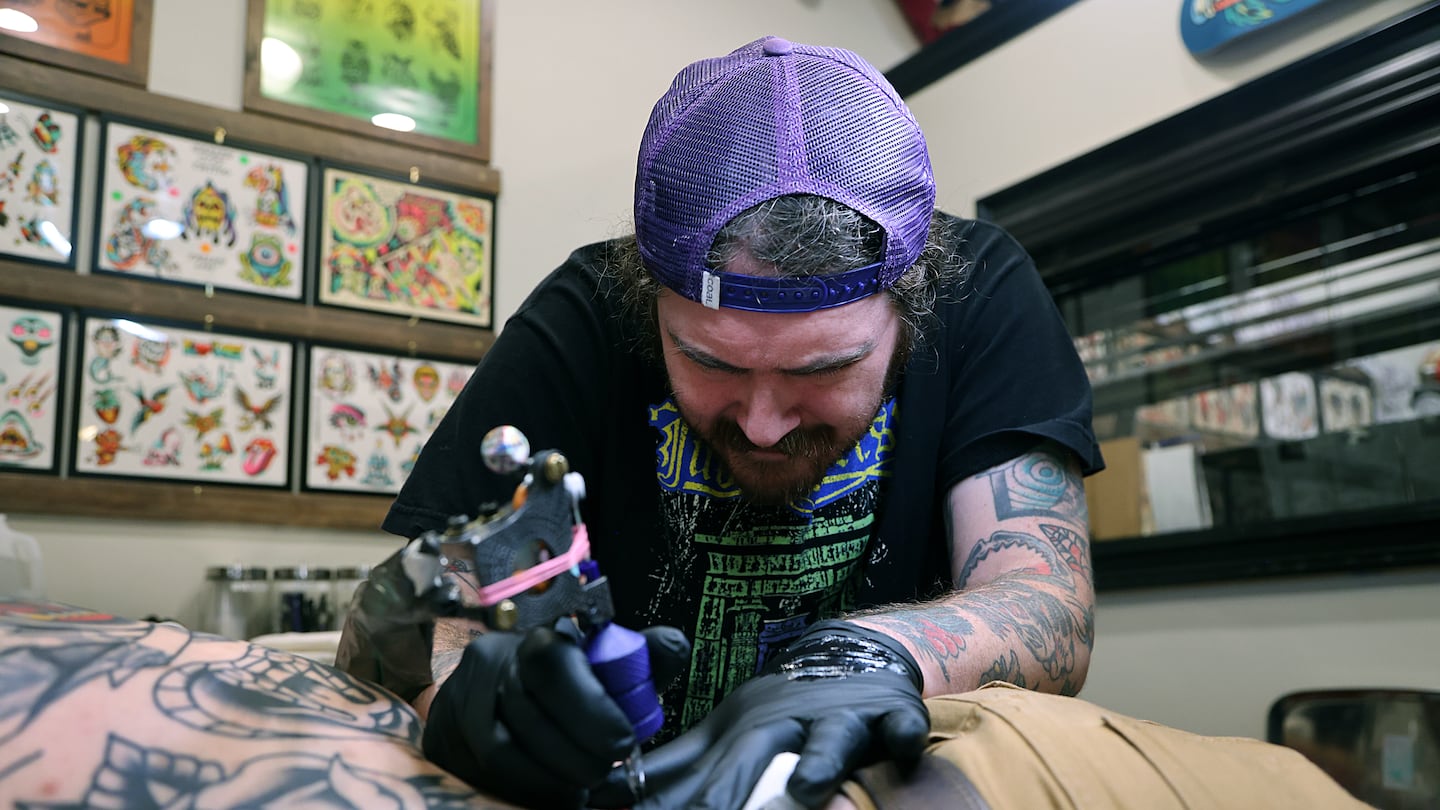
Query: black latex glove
(842, 696)
(524, 719)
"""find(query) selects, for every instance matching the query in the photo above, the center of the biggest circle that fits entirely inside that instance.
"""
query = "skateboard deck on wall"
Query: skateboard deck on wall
(1207, 24)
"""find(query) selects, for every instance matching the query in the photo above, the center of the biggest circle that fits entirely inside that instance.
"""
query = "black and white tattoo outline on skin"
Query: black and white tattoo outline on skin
(50, 651)
(267, 694)
(135, 776)
(47, 652)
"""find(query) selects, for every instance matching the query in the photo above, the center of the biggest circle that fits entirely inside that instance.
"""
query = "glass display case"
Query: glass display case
(1254, 287)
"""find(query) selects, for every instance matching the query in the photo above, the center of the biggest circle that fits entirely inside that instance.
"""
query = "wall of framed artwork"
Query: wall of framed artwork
(367, 415)
(110, 39)
(232, 217)
(40, 149)
(405, 248)
(155, 400)
(194, 473)
(31, 386)
(339, 63)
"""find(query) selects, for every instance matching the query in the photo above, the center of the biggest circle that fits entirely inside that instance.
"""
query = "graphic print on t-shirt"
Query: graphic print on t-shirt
(746, 579)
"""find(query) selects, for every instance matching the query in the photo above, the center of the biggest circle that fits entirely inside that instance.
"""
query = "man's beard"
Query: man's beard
(810, 452)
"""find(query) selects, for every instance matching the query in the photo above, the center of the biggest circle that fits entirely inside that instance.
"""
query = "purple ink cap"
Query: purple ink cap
(770, 119)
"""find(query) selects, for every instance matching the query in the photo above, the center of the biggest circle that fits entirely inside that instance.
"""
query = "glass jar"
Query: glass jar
(347, 580)
(302, 599)
(238, 601)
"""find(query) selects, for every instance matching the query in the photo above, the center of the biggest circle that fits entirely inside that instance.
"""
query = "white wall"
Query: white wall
(1092, 73)
(574, 82)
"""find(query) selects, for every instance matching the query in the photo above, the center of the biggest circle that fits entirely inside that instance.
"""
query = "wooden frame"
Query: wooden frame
(81, 44)
(336, 94)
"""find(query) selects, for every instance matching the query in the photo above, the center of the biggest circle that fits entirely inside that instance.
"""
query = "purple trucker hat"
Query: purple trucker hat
(769, 119)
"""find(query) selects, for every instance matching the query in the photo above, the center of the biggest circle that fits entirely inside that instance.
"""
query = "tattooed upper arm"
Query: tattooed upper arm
(1017, 515)
(1042, 484)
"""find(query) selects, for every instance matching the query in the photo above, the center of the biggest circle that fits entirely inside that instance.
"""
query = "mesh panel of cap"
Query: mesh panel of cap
(769, 119)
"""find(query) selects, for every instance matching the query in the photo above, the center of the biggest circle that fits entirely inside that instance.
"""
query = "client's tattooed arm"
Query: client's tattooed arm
(101, 711)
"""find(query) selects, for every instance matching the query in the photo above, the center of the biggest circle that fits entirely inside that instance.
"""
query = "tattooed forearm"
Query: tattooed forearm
(1048, 626)
(1006, 669)
(1035, 619)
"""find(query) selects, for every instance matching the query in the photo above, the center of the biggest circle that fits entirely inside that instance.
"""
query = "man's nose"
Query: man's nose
(768, 413)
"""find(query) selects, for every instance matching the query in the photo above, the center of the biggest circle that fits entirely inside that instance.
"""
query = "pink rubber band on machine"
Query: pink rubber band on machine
(536, 574)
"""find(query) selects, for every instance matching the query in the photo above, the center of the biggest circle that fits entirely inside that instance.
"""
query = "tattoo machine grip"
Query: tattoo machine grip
(621, 662)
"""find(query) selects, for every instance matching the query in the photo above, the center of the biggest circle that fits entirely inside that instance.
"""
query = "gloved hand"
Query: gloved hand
(842, 696)
(524, 719)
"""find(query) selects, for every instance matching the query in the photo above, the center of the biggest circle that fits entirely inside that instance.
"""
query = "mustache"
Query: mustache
(798, 443)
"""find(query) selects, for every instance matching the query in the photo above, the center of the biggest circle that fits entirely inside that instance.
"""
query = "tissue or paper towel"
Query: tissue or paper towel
(21, 572)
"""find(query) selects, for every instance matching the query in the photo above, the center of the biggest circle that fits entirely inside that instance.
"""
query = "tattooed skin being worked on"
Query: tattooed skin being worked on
(98, 711)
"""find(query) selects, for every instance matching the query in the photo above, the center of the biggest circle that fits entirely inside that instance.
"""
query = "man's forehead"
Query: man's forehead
(791, 337)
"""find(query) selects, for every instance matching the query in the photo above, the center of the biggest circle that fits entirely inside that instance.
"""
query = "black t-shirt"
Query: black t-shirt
(994, 375)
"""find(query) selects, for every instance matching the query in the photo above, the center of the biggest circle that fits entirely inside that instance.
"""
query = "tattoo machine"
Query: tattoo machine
(530, 560)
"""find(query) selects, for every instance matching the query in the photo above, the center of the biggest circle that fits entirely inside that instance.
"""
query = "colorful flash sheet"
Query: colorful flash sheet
(39, 171)
(163, 402)
(31, 358)
(201, 213)
(369, 415)
(406, 249)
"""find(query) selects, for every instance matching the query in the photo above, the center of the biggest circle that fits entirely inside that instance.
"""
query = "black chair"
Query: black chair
(1382, 745)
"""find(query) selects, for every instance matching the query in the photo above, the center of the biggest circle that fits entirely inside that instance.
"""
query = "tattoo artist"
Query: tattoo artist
(833, 441)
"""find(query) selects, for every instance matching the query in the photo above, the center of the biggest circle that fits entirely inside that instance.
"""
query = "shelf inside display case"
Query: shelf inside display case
(1257, 303)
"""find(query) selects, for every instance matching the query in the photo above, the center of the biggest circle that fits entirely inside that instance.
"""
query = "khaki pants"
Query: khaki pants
(1027, 751)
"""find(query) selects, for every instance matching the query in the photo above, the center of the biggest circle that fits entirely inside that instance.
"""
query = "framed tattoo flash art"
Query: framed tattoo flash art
(156, 401)
(405, 249)
(39, 173)
(411, 71)
(369, 414)
(31, 376)
(106, 37)
(197, 212)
